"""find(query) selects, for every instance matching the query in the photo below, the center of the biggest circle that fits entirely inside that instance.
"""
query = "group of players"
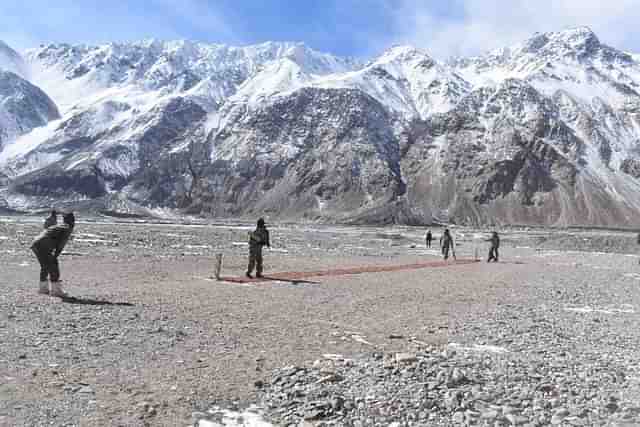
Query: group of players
(49, 244)
(447, 244)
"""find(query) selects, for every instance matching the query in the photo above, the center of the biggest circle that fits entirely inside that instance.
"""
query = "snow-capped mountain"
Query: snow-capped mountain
(543, 132)
(69, 72)
(406, 80)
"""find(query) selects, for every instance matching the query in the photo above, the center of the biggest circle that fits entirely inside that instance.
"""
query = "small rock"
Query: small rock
(516, 420)
(489, 415)
(197, 416)
(612, 406)
(85, 390)
(406, 357)
(472, 414)
(506, 410)
(457, 377)
(546, 387)
(330, 378)
(451, 402)
(337, 403)
(555, 420)
(313, 414)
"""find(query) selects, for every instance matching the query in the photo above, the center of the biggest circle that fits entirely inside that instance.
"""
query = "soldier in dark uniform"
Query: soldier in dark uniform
(493, 250)
(446, 243)
(51, 219)
(429, 238)
(257, 239)
(47, 247)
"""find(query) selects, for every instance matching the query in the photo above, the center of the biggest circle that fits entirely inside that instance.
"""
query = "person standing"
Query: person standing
(257, 239)
(493, 250)
(429, 238)
(47, 247)
(446, 244)
(51, 219)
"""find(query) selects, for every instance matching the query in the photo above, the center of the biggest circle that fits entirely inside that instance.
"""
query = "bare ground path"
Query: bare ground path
(297, 276)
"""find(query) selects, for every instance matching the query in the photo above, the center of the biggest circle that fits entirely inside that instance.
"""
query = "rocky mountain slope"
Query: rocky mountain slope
(23, 106)
(544, 132)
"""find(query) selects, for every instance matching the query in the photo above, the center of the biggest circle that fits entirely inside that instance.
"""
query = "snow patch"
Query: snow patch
(28, 142)
(251, 417)
(480, 348)
(95, 241)
(587, 309)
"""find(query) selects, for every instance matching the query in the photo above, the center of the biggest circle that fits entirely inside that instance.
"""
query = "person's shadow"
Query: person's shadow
(265, 279)
(88, 301)
(290, 281)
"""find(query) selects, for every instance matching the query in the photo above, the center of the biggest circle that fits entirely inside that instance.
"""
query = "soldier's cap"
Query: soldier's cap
(261, 222)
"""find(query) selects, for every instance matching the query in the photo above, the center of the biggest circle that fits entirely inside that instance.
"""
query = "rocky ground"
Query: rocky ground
(550, 335)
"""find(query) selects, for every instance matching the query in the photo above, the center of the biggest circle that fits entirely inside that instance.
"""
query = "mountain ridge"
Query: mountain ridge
(544, 132)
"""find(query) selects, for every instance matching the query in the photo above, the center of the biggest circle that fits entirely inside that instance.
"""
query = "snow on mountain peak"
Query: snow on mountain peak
(579, 42)
(167, 66)
(572, 60)
(406, 80)
(575, 36)
(402, 53)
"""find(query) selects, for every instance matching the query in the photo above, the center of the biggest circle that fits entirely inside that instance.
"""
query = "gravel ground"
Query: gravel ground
(550, 335)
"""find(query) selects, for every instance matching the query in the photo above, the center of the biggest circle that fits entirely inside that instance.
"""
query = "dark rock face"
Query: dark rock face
(317, 153)
(463, 165)
(23, 107)
(134, 160)
(56, 182)
(506, 156)
(631, 167)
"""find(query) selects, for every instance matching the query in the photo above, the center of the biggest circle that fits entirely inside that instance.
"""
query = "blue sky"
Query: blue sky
(346, 27)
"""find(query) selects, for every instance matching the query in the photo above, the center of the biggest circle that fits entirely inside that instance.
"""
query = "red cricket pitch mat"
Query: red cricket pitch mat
(300, 275)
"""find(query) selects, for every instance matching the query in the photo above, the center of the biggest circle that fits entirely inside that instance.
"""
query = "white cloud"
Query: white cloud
(201, 16)
(480, 25)
(28, 23)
